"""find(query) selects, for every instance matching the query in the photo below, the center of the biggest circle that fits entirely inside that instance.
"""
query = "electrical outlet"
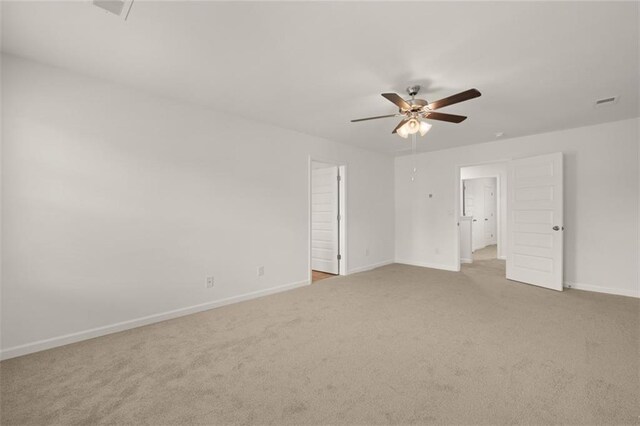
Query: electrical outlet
(209, 282)
(260, 271)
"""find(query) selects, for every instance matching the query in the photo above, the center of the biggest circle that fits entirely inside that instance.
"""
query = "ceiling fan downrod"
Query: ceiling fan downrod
(413, 90)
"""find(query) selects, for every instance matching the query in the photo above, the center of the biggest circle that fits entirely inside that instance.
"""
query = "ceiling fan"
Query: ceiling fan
(415, 110)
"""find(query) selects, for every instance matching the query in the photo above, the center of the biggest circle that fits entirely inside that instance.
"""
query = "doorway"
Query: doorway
(529, 218)
(482, 191)
(479, 205)
(327, 221)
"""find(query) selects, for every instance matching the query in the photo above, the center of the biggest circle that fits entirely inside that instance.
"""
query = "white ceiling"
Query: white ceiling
(313, 66)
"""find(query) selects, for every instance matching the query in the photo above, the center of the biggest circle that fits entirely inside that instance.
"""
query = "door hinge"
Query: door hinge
(339, 218)
(339, 178)
(339, 257)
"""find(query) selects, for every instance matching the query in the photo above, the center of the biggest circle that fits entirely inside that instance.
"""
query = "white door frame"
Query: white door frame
(342, 235)
(457, 210)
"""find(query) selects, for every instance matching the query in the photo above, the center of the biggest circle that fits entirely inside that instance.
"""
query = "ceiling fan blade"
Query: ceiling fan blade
(402, 123)
(396, 99)
(451, 118)
(454, 99)
(373, 118)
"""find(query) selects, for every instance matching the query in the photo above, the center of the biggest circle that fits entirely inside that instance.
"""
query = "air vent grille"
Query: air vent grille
(607, 101)
(113, 6)
(117, 7)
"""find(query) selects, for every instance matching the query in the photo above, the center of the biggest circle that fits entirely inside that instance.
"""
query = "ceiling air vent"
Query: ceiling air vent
(117, 7)
(607, 101)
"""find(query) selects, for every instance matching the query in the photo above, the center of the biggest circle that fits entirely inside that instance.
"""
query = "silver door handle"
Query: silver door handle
(556, 228)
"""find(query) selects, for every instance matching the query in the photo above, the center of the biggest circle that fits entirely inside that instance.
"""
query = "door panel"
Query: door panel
(468, 198)
(490, 214)
(534, 209)
(324, 220)
(474, 206)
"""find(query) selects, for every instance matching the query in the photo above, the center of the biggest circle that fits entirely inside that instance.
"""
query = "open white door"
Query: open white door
(535, 224)
(490, 214)
(324, 220)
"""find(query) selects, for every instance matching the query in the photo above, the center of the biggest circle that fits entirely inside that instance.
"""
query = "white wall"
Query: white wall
(600, 204)
(116, 205)
(498, 170)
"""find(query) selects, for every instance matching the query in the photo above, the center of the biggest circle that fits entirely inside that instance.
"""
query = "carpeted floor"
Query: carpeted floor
(486, 253)
(396, 345)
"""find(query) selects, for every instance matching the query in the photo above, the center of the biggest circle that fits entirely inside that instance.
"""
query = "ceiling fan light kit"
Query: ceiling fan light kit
(412, 127)
(415, 111)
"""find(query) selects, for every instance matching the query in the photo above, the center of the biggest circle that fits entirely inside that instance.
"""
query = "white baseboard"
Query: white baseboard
(502, 257)
(598, 289)
(463, 260)
(577, 286)
(370, 267)
(53, 342)
(429, 265)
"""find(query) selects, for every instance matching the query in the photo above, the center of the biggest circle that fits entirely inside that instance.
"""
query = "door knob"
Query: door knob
(556, 228)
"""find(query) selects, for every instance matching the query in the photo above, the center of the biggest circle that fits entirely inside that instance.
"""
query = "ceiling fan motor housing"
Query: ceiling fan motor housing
(417, 104)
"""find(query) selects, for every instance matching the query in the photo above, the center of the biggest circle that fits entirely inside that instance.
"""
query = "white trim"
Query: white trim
(452, 268)
(66, 339)
(598, 289)
(370, 267)
(464, 260)
(342, 168)
(575, 286)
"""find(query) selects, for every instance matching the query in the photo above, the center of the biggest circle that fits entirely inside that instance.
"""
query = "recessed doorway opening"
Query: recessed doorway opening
(327, 220)
(482, 208)
(479, 205)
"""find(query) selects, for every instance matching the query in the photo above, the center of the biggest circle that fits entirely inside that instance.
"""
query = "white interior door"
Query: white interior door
(468, 198)
(490, 214)
(324, 220)
(475, 207)
(535, 221)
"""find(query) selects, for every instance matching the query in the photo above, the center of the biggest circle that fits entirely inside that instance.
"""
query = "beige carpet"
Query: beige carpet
(487, 253)
(396, 345)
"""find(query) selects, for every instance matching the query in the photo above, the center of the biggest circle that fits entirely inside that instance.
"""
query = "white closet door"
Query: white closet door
(475, 201)
(535, 220)
(490, 214)
(324, 220)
